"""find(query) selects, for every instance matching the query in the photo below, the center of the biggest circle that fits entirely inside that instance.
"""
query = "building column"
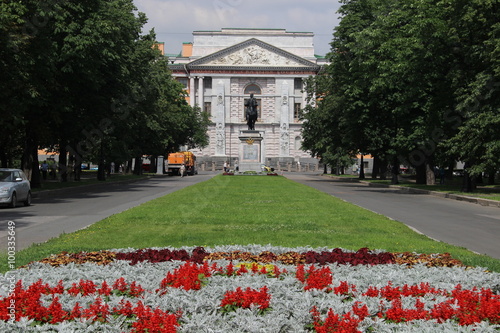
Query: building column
(220, 121)
(201, 104)
(192, 92)
(284, 122)
(304, 93)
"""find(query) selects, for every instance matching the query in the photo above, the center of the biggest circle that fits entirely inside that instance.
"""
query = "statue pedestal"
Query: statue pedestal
(250, 151)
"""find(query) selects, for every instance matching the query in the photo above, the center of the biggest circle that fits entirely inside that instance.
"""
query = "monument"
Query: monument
(251, 112)
(250, 151)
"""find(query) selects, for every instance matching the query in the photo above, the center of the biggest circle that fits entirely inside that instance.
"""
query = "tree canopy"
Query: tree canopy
(80, 77)
(411, 82)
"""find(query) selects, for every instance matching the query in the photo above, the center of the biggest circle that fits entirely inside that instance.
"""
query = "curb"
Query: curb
(479, 201)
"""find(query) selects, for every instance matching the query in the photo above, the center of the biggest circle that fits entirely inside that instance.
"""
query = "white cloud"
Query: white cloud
(175, 20)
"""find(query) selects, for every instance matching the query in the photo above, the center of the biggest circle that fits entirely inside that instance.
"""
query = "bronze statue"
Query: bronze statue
(251, 112)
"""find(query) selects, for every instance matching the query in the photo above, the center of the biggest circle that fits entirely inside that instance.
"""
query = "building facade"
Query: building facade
(220, 69)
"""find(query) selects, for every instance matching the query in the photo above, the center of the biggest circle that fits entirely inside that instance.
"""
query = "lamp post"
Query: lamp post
(230, 143)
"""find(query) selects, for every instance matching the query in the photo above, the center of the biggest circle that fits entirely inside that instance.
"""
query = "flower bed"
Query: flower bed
(250, 289)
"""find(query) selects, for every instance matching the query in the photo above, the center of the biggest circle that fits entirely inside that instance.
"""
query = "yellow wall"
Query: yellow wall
(187, 49)
(160, 46)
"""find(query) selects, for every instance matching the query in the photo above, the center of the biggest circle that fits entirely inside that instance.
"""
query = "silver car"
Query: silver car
(14, 187)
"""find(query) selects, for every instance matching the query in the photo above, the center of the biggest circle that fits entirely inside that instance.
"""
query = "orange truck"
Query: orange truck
(175, 160)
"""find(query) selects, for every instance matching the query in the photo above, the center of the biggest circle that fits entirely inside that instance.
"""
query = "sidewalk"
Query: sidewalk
(410, 190)
(81, 187)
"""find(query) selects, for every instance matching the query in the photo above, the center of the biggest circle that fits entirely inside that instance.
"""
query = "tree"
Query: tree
(13, 79)
(82, 79)
(160, 120)
(391, 75)
(477, 89)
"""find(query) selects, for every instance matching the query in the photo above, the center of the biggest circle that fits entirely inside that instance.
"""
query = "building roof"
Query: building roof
(253, 53)
(228, 30)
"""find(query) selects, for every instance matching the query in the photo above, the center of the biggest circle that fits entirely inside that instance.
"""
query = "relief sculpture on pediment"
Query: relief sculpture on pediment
(255, 56)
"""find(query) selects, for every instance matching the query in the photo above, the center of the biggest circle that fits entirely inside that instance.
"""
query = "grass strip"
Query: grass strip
(244, 210)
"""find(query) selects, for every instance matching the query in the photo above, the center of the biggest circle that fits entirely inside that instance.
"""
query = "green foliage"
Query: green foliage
(80, 76)
(13, 79)
(414, 82)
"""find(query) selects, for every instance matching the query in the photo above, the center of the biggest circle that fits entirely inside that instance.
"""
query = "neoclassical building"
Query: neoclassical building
(220, 69)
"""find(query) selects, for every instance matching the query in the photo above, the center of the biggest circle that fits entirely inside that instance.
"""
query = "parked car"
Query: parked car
(14, 187)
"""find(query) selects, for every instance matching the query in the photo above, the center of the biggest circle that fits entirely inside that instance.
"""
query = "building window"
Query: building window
(207, 82)
(297, 83)
(252, 89)
(296, 111)
(207, 107)
(298, 143)
(258, 107)
(183, 81)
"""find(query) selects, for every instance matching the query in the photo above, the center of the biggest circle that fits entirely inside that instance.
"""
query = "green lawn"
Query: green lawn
(249, 210)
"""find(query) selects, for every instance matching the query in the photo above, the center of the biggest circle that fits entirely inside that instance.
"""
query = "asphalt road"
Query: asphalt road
(472, 226)
(464, 224)
(55, 212)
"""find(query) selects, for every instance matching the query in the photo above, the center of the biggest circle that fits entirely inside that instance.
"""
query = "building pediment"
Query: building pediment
(253, 54)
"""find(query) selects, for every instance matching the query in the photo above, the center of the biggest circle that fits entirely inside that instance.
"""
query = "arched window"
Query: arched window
(298, 143)
(252, 89)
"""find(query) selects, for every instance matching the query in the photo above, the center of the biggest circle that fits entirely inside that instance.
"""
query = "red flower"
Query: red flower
(187, 277)
(246, 299)
(316, 278)
(333, 323)
(105, 289)
(56, 311)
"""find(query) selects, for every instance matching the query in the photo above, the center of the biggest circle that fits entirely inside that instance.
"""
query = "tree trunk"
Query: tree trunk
(101, 171)
(29, 161)
(421, 171)
(468, 182)
(383, 169)
(376, 167)
(35, 167)
(77, 171)
(63, 168)
(449, 172)
(491, 177)
(361, 168)
(128, 167)
(101, 167)
(430, 175)
(75, 160)
(75, 167)
(395, 171)
(153, 164)
(138, 165)
(479, 179)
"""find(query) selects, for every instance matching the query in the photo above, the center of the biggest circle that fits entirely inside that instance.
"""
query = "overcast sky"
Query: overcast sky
(175, 20)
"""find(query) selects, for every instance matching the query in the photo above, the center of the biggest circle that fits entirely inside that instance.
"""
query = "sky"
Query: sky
(175, 20)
